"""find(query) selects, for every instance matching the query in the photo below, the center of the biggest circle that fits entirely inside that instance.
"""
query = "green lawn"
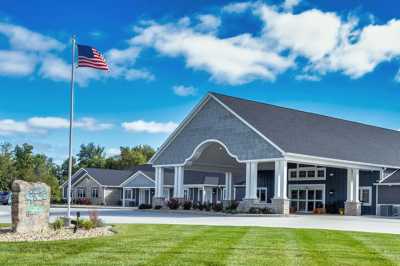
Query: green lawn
(209, 245)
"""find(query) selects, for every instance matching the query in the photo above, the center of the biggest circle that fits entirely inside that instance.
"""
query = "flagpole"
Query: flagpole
(71, 124)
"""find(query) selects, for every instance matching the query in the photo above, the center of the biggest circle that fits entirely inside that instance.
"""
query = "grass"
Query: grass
(210, 245)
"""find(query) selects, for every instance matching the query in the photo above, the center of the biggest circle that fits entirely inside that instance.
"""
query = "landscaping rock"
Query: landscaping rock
(48, 234)
(30, 206)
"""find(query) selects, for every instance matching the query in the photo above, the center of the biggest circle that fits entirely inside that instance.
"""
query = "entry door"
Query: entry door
(306, 199)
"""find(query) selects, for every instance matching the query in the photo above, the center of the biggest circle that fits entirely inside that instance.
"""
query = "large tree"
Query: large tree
(7, 166)
(91, 155)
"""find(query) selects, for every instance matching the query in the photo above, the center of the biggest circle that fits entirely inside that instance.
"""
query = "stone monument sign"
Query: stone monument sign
(30, 206)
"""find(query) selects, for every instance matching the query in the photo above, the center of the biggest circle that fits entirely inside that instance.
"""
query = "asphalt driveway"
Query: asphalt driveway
(333, 222)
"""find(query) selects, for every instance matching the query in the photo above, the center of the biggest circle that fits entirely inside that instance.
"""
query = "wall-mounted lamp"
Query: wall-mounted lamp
(331, 192)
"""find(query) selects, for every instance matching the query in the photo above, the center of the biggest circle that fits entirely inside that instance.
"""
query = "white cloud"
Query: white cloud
(311, 33)
(181, 90)
(56, 69)
(16, 63)
(121, 63)
(360, 51)
(308, 77)
(91, 124)
(43, 124)
(48, 122)
(208, 23)
(290, 4)
(237, 7)
(113, 152)
(141, 126)
(10, 126)
(235, 60)
(23, 39)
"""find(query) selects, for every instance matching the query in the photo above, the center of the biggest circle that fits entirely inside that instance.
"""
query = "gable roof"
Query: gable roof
(312, 134)
(108, 177)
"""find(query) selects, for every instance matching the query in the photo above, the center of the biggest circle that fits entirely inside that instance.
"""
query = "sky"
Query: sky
(337, 58)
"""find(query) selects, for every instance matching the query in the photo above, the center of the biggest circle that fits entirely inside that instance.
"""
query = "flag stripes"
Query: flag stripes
(90, 57)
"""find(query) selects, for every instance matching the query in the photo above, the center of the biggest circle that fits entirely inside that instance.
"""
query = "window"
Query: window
(365, 196)
(306, 198)
(81, 192)
(307, 173)
(128, 194)
(95, 193)
(262, 194)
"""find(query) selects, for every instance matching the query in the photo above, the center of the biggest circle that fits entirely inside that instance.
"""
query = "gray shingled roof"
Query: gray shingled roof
(393, 178)
(311, 134)
(110, 177)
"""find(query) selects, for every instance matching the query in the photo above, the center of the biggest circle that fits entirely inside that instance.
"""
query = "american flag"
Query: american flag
(90, 57)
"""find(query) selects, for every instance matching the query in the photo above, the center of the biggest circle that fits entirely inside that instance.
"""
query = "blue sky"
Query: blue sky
(339, 58)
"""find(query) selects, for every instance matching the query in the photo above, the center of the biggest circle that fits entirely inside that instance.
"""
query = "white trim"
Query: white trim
(185, 121)
(306, 169)
(389, 175)
(369, 188)
(309, 159)
(76, 173)
(305, 187)
(134, 176)
(387, 184)
(266, 193)
(247, 124)
(87, 174)
(197, 150)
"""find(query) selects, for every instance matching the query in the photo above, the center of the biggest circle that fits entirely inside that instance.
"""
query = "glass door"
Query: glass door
(306, 199)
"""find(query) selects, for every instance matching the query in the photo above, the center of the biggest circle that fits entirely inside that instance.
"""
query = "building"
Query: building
(137, 186)
(282, 158)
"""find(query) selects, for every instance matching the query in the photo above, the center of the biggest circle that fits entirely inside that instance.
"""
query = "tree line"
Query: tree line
(20, 162)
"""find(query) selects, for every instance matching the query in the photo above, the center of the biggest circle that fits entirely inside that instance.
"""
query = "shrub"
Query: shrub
(254, 210)
(145, 206)
(187, 205)
(266, 210)
(207, 207)
(58, 224)
(157, 207)
(200, 206)
(83, 201)
(173, 204)
(86, 224)
(232, 207)
(94, 218)
(217, 207)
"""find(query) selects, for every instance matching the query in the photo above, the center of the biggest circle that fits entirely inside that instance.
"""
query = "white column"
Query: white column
(251, 180)
(228, 186)
(353, 177)
(123, 197)
(280, 179)
(159, 180)
(178, 181)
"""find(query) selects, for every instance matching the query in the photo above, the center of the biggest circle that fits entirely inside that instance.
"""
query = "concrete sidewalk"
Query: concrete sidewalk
(331, 222)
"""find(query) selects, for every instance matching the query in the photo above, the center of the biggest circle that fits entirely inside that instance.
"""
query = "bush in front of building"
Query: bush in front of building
(187, 205)
(173, 204)
(86, 224)
(83, 201)
(232, 206)
(256, 210)
(207, 207)
(58, 224)
(145, 206)
(157, 207)
(218, 207)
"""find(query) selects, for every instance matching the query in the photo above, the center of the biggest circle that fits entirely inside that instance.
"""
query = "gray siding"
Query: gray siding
(88, 184)
(215, 122)
(389, 194)
(112, 196)
(140, 181)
